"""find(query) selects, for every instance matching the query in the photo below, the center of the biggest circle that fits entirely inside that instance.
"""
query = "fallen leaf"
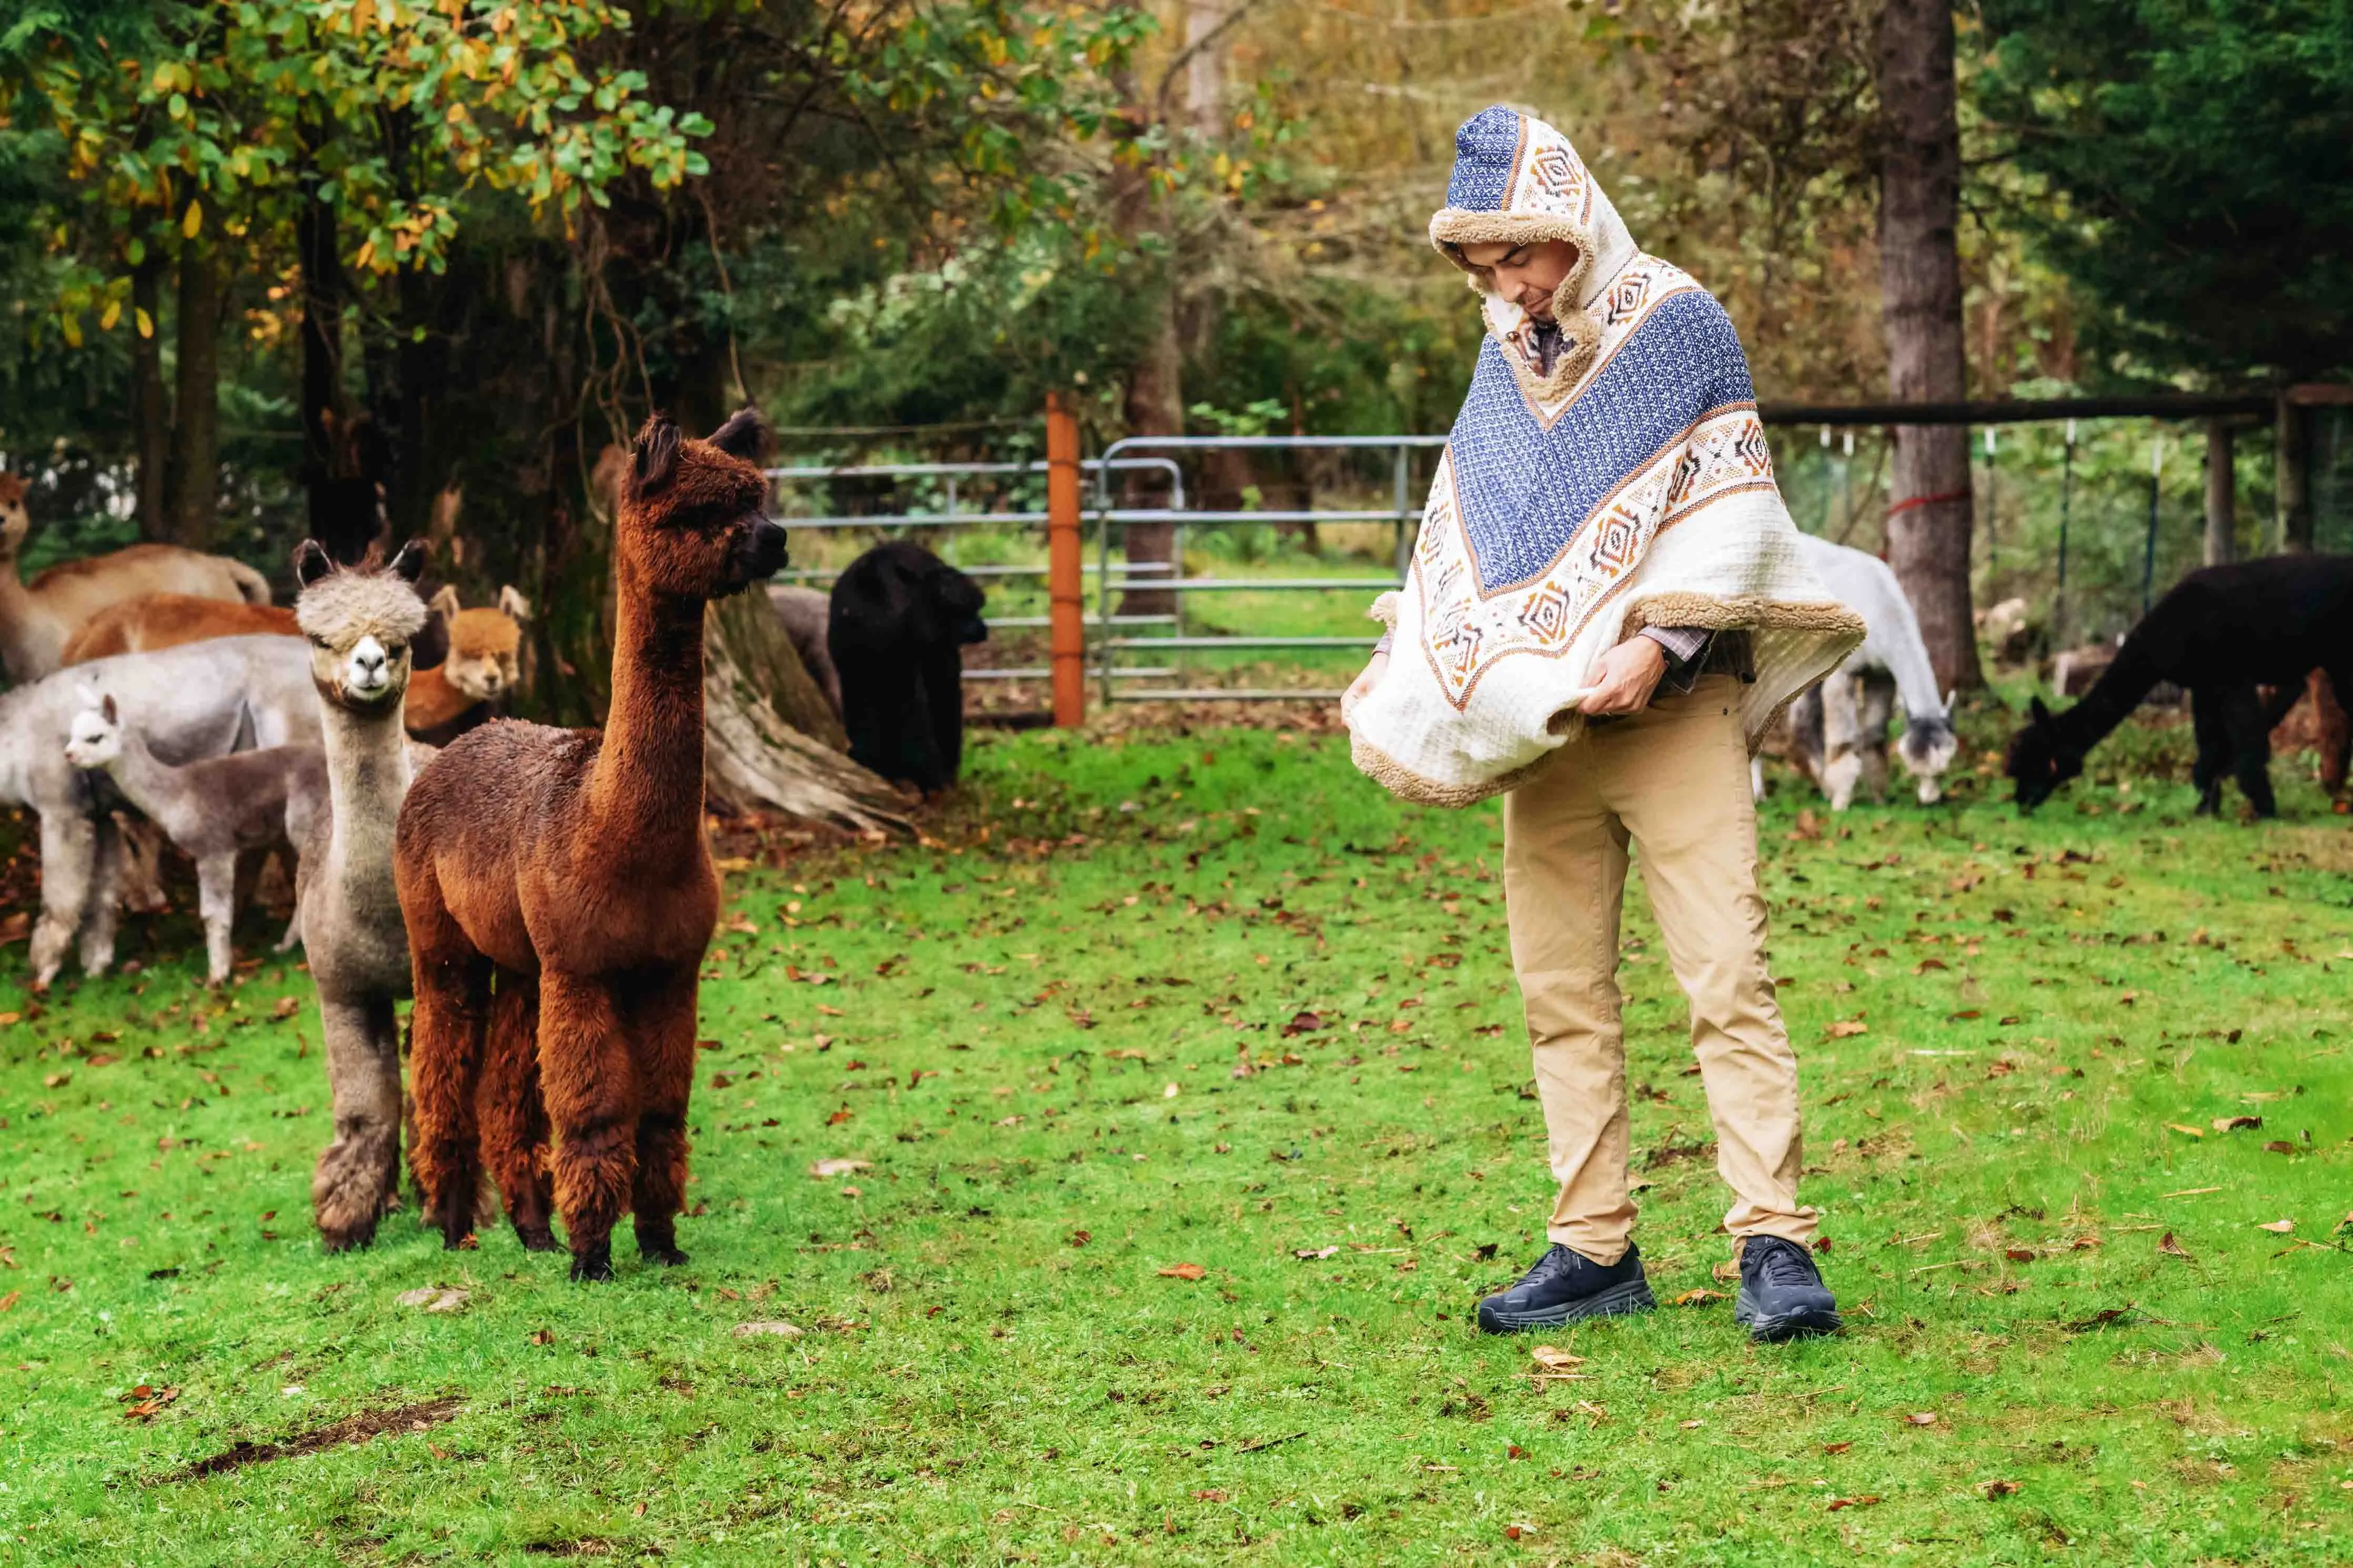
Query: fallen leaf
(1688, 1426)
(838, 1117)
(1837, 1447)
(776, 1328)
(1837, 1503)
(1921, 1418)
(1209, 1494)
(2279, 1146)
(2236, 1123)
(1552, 1358)
(9, 1301)
(150, 1401)
(826, 1170)
(1080, 1237)
(287, 1008)
(1847, 1029)
(2099, 1319)
(433, 1299)
(1993, 1489)
(1302, 1024)
(2186, 1131)
(1184, 1271)
(2018, 1254)
(2172, 1249)
(1313, 1254)
(1700, 1297)
(1514, 1531)
(2278, 1227)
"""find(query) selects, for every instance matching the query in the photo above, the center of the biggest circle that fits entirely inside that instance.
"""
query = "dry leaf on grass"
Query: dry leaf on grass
(2278, 1227)
(1837, 1503)
(1993, 1489)
(1921, 1418)
(1313, 1254)
(2236, 1123)
(1699, 1297)
(1552, 1358)
(827, 1169)
(1184, 1271)
(147, 1401)
(778, 1329)
(433, 1299)
(2186, 1131)
(1847, 1029)
(2172, 1249)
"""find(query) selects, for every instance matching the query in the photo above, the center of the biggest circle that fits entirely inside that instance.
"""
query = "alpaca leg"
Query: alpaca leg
(1756, 778)
(2206, 719)
(2334, 732)
(69, 851)
(1875, 711)
(217, 902)
(143, 865)
(1841, 741)
(2251, 750)
(513, 1113)
(358, 1174)
(591, 1086)
(1805, 723)
(104, 908)
(446, 1027)
(662, 1019)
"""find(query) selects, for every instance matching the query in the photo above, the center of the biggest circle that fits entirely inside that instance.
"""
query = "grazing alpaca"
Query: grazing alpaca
(901, 617)
(37, 618)
(360, 621)
(1839, 730)
(560, 894)
(212, 808)
(806, 614)
(464, 691)
(2221, 633)
(154, 621)
(203, 701)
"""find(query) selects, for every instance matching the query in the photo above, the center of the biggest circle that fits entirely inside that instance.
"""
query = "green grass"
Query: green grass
(1032, 1030)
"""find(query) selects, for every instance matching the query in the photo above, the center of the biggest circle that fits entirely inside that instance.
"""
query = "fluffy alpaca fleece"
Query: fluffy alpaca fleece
(351, 928)
(203, 701)
(154, 621)
(560, 895)
(38, 617)
(1839, 730)
(2221, 633)
(900, 620)
(1629, 485)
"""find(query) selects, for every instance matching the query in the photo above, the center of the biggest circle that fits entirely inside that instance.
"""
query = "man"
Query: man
(1604, 612)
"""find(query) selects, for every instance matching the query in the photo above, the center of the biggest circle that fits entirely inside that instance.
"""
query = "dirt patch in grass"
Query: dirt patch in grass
(359, 1428)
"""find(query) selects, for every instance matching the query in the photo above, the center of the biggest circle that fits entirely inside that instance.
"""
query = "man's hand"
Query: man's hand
(1362, 687)
(1626, 677)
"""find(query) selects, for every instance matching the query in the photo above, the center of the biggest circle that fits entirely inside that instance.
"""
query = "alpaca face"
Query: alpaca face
(16, 522)
(694, 518)
(2039, 762)
(95, 737)
(1928, 750)
(360, 621)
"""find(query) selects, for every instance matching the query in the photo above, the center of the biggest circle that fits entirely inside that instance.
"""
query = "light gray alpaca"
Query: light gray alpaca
(202, 700)
(807, 615)
(1839, 730)
(359, 622)
(212, 808)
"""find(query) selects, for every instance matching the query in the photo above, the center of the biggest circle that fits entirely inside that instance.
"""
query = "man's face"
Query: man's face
(1528, 275)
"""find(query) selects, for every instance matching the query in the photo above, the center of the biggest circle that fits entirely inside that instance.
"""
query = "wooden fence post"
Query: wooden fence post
(1065, 587)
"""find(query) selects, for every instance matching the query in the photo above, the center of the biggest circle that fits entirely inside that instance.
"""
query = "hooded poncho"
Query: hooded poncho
(1630, 486)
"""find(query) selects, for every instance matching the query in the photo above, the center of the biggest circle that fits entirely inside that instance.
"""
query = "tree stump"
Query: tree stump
(769, 739)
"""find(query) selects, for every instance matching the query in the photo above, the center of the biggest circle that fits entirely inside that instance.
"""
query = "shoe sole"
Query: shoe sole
(1809, 1323)
(1619, 1301)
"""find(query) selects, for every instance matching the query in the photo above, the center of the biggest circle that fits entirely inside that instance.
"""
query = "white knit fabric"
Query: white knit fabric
(1631, 487)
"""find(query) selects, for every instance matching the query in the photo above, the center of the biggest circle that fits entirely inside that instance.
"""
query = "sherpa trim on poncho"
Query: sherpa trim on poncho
(1631, 486)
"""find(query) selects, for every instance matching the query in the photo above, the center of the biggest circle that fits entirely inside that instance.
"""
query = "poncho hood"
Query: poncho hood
(1629, 485)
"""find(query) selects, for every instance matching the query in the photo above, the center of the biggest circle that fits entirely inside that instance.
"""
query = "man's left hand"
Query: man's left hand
(1625, 678)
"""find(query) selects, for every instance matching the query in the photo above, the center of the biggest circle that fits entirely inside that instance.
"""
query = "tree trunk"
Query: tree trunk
(2292, 474)
(193, 501)
(1155, 406)
(1920, 305)
(2221, 495)
(150, 414)
(760, 712)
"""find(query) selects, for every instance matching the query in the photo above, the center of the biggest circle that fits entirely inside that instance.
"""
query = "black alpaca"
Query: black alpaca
(2221, 633)
(901, 617)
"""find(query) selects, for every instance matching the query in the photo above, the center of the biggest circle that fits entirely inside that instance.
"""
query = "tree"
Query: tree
(2188, 166)
(1928, 522)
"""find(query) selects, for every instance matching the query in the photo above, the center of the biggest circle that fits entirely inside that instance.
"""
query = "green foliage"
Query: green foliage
(2192, 165)
(993, 1363)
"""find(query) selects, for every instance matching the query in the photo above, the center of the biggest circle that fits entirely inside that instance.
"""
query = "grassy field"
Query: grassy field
(1190, 1112)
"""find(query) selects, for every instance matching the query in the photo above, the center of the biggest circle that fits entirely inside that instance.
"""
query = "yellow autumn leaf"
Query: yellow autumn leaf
(193, 222)
(112, 314)
(145, 322)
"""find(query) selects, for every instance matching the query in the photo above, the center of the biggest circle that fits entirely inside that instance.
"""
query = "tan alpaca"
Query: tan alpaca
(37, 618)
(462, 691)
(360, 621)
(213, 808)
(153, 621)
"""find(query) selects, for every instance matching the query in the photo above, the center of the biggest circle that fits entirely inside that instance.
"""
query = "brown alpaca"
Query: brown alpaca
(464, 691)
(559, 893)
(167, 620)
(37, 618)
(361, 621)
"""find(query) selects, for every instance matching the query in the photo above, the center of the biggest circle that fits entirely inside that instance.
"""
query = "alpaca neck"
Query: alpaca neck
(650, 768)
(433, 702)
(18, 610)
(147, 783)
(367, 777)
(2110, 701)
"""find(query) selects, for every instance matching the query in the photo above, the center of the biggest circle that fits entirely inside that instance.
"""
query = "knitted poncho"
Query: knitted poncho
(1631, 486)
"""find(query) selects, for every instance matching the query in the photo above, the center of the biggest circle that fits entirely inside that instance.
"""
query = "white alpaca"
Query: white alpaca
(201, 700)
(1839, 730)
(212, 808)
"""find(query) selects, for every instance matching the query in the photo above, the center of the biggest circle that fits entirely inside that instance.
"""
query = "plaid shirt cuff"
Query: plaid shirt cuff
(1684, 647)
(1382, 647)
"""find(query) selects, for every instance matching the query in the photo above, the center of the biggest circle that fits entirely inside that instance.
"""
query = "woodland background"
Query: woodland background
(268, 265)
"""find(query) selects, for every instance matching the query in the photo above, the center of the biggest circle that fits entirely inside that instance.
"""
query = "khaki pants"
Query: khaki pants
(1673, 779)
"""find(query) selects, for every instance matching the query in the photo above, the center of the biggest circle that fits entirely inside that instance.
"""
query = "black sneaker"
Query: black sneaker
(1565, 1285)
(1782, 1295)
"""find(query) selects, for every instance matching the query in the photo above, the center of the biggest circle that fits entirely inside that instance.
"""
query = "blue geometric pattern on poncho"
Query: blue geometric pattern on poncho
(1483, 150)
(1526, 491)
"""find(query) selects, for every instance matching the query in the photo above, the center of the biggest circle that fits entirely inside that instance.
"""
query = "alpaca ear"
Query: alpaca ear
(2034, 707)
(653, 457)
(1948, 700)
(445, 603)
(512, 605)
(410, 565)
(311, 562)
(745, 435)
(106, 707)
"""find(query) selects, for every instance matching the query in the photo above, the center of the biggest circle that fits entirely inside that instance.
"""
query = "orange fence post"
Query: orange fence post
(1065, 587)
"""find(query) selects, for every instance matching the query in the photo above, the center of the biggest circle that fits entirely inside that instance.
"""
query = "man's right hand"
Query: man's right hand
(1362, 687)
